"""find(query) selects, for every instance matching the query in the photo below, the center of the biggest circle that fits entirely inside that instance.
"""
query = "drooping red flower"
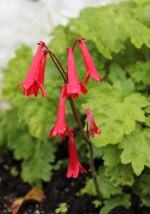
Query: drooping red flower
(60, 127)
(74, 166)
(93, 127)
(35, 77)
(73, 86)
(88, 62)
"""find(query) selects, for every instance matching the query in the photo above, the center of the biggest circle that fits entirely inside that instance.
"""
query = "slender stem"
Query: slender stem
(74, 45)
(57, 66)
(94, 173)
(77, 118)
(85, 137)
(58, 62)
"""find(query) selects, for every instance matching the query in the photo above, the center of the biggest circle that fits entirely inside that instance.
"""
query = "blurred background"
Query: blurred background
(28, 21)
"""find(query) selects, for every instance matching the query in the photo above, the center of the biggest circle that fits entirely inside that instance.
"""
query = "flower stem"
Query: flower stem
(85, 137)
(94, 173)
(58, 66)
(77, 118)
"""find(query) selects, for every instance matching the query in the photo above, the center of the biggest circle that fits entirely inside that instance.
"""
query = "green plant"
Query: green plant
(119, 43)
(62, 208)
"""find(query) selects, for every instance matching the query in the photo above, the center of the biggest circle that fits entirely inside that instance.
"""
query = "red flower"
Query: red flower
(35, 77)
(60, 127)
(74, 86)
(74, 167)
(88, 62)
(93, 127)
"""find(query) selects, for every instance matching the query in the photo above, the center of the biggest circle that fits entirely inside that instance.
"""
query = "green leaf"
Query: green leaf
(147, 122)
(38, 167)
(100, 32)
(97, 203)
(62, 208)
(106, 186)
(116, 73)
(142, 187)
(39, 116)
(138, 33)
(120, 174)
(142, 13)
(140, 72)
(59, 45)
(115, 201)
(143, 183)
(23, 146)
(145, 200)
(148, 108)
(97, 151)
(15, 73)
(115, 109)
(111, 155)
(136, 149)
(143, 3)
(16, 136)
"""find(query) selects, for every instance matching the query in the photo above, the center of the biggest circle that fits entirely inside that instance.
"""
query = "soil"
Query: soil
(58, 190)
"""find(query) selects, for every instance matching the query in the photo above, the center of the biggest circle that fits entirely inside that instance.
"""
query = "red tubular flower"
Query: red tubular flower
(88, 62)
(35, 77)
(93, 127)
(74, 166)
(60, 127)
(74, 86)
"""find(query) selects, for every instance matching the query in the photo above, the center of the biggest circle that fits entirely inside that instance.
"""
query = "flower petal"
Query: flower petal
(74, 166)
(88, 62)
(93, 127)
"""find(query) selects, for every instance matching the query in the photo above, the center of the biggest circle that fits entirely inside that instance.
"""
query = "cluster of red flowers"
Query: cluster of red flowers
(35, 81)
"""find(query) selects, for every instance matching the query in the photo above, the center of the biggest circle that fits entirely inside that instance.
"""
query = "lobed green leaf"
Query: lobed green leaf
(122, 199)
(116, 110)
(39, 168)
(136, 149)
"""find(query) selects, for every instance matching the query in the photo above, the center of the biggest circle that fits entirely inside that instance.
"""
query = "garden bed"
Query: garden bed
(60, 189)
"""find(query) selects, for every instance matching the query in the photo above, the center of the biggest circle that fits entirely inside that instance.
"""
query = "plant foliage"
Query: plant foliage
(118, 38)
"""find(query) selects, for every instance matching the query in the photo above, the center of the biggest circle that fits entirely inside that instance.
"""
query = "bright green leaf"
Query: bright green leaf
(38, 167)
(116, 110)
(116, 73)
(115, 201)
(136, 149)
(111, 155)
(138, 32)
(140, 72)
(39, 116)
(100, 32)
(106, 186)
(147, 122)
(120, 174)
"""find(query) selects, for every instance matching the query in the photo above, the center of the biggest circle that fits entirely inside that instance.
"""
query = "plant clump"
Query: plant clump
(118, 39)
